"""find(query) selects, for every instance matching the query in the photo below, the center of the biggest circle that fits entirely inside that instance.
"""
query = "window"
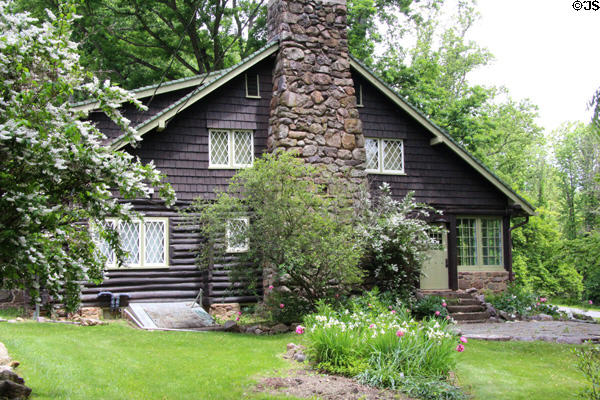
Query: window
(359, 96)
(146, 242)
(237, 235)
(252, 86)
(385, 156)
(479, 241)
(230, 148)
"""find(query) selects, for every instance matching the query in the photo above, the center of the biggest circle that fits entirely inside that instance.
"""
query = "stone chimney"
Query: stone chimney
(313, 108)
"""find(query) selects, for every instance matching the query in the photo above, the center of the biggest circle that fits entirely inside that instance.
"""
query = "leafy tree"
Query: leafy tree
(139, 42)
(55, 172)
(296, 233)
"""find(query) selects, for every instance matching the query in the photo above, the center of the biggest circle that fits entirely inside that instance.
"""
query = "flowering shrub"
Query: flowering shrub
(430, 306)
(518, 301)
(396, 237)
(379, 343)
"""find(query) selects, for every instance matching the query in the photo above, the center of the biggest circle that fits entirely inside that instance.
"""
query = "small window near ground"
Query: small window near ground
(145, 242)
(252, 86)
(236, 235)
(385, 156)
(479, 241)
(229, 148)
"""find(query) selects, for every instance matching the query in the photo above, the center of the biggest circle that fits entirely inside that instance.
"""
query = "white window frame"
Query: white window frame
(359, 97)
(380, 157)
(233, 249)
(142, 244)
(257, 87)
(230, 149)
(479, 244)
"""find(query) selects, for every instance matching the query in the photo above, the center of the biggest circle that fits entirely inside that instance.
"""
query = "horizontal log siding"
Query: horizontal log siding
(183, 279)
(181, 150)
(436, 174)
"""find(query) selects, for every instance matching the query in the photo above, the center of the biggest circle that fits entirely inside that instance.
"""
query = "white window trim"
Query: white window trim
(380, 158)
(479, 265)
(230, 149)
(257, 87)
(246, 245)
(359, 97)
(142, 245)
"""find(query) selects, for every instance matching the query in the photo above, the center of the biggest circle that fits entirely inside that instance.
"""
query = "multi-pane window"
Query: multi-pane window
(236, 235)
(479, 241)
(385, 155)
(359, 96)
(145, 242)
(229, 148)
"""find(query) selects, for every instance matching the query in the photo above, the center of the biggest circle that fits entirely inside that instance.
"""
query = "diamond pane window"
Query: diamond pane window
(242, 148)
(129, 234)
(101, 244)
(385, 156)
(230, 148)
(154, 242)
(491, 241)
(237, 235)
(219, 148)
(467, 241)
(146, 243)
(372, 149)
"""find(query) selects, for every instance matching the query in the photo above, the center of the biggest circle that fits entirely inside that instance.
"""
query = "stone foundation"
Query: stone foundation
(12, 298)
(225, 311)
(494, 281)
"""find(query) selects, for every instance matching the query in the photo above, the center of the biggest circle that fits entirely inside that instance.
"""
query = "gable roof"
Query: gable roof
(217, 79)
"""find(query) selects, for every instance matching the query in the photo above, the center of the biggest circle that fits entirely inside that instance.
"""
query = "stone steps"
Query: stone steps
(465, 308)
(477, 316)
(464, 302)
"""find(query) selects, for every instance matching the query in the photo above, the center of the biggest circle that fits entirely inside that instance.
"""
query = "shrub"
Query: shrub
(296, 233)
(397, 238)
(379, 342)
(588, 362)
(518, 300)
(430, 306)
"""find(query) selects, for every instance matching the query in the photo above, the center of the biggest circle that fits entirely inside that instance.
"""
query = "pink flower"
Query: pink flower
(463, 339)
(460, 348)
(399, 333)
(239, 313)
(590, 302)
(543, 299)
(447, 317)
(299, 329)
(390, 307)
(437, 313)
(271, 287)
(444, 304)
(281, 305)
(237, 318)
(369, 305)
(538, 303)
(371, 326)
(337, 295)
(393, 311)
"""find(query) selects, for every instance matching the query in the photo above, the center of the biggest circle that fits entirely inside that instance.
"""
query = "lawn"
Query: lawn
(519, 370)
(119, 362)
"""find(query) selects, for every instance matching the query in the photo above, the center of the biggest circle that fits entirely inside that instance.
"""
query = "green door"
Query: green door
(434, 274)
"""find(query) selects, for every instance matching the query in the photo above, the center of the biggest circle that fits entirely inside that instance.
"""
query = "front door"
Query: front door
(434, 274)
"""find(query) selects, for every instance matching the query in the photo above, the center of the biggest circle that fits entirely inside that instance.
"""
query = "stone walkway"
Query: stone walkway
(550, 331)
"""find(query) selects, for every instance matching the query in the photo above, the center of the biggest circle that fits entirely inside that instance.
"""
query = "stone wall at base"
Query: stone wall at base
(12, 298)
(494, 281)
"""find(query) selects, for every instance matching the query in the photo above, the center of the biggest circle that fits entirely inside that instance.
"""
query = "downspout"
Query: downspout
(511, 274)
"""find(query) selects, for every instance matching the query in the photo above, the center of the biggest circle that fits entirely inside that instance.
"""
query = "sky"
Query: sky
(545, 51)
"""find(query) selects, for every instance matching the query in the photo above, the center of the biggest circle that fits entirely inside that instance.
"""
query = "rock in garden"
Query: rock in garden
(7, 374)
(471, 290)
(280, 328)
(582, 317)
(230, 326)
(13, 391)
(544, 317)
(300, 357)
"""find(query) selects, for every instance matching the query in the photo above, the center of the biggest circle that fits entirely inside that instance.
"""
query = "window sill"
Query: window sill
(136, 268)
(227, 167)
(253, 97)
(373, 172)
(481, 268)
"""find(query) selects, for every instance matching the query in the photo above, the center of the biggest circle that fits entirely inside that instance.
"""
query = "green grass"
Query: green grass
(573, 303)
(10, 313)
(118, 362)
(519, 370)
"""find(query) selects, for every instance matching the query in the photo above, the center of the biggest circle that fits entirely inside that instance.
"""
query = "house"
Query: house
(302, 92)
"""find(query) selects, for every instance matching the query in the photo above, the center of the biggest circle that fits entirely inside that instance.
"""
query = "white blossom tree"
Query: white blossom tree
(55, 171)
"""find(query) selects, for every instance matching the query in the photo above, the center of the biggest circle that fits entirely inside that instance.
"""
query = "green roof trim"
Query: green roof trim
(443, 136)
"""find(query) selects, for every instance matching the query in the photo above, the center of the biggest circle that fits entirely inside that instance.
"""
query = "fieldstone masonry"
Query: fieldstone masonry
(313, 108)
(494, 281)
